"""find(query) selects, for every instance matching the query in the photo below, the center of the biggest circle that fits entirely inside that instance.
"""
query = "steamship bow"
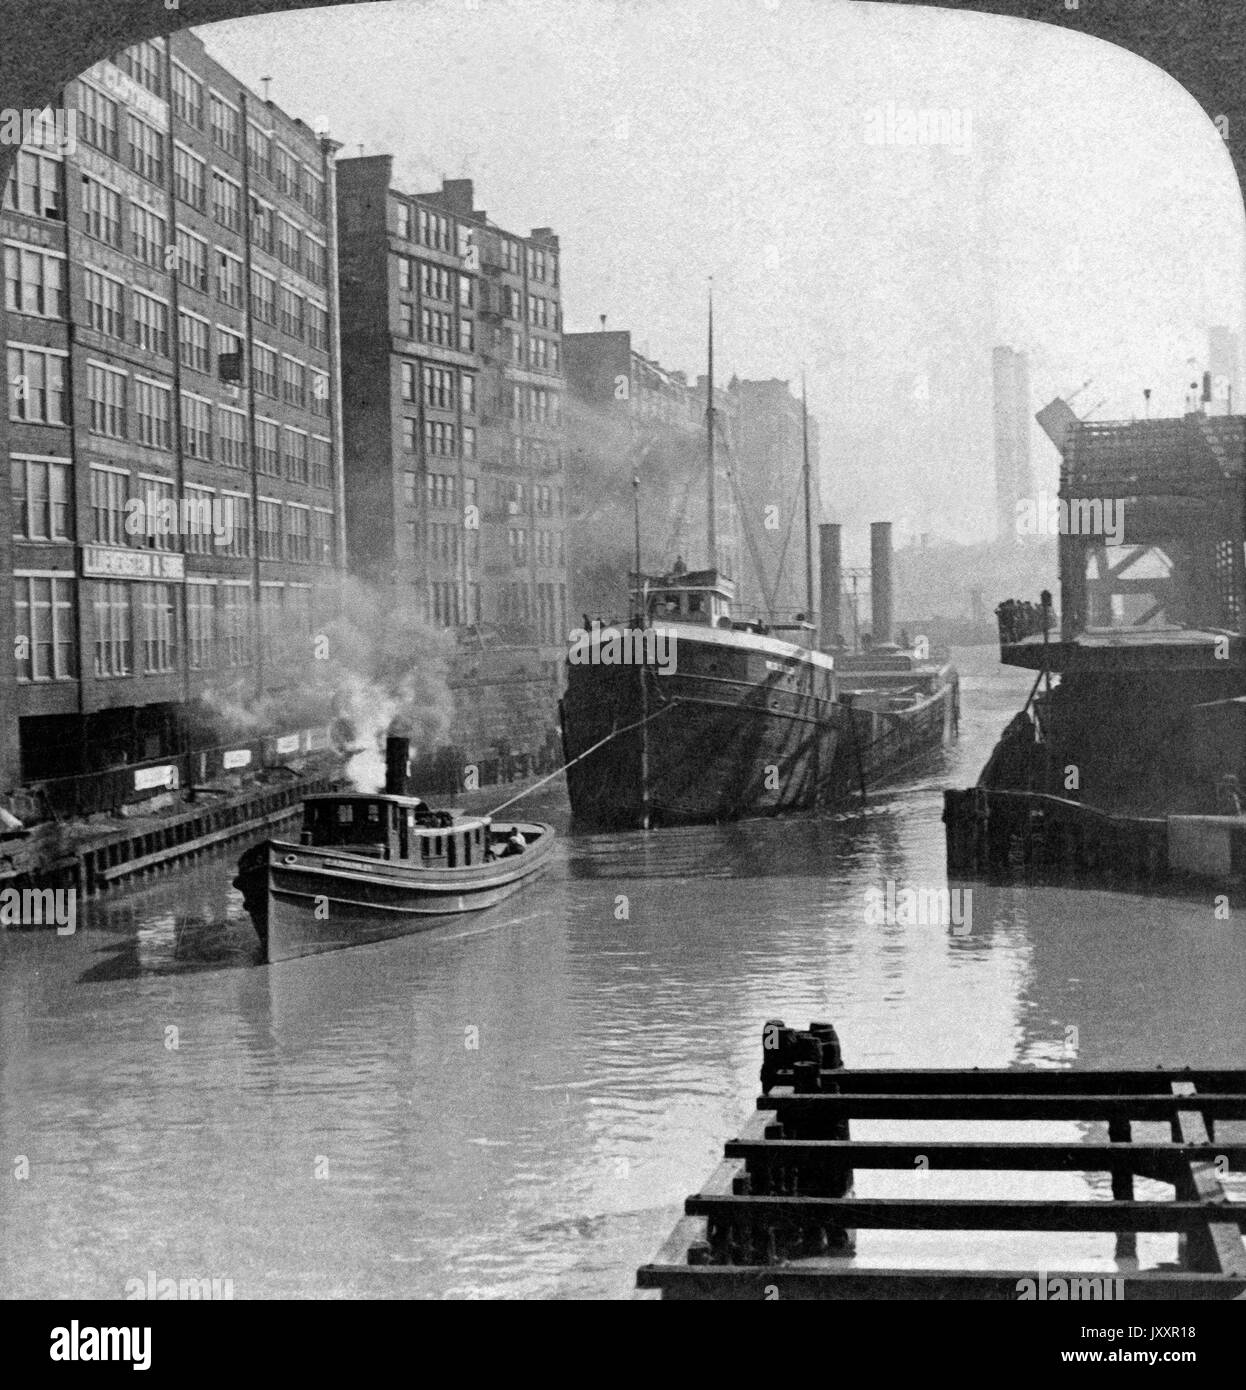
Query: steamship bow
(372, 866)
(725, 719)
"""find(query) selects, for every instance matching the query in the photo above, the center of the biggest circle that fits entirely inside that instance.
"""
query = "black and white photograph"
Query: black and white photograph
(623, 666)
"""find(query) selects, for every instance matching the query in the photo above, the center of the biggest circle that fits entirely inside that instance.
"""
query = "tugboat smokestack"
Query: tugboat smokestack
(397, 765)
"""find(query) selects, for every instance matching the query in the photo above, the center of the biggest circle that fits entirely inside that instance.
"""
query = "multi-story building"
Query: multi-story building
(169, 326)
(630, 418)
(452, 416)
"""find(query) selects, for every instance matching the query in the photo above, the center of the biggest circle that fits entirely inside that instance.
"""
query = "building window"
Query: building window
(108, 499)
(317, 321)
(267, 459)
(151, 323)
(192, 260)
(34, 186)
(201, 625)
(408, 381)
(319, 393)
(97, 121)
(321, 466)
(197, 535)
(152, 407)
(187, 97)
(467, 385)
(236, 616)
(465, 335)
(223, 119)
(106, 392)
(160, 627)
(145, 150)
(322, 537)
(262, 230)
(268, 529)
(287, 243)
(314, 260)
(101, 212)
(231, 437)
(264, 370)
(439, 439)
(148, 234)
(404, 220)
(114, 632)
(469, 441)
(34, 282)
(40, 492)
(264, 296)
(409, 427)
(295, 455)
(192, 337)
(228, 279)
(158, 502)
(438, 388)
(190, 178)
(47, 644)
(406, 320)
(238, 543)
(312, 194)
(291, 312)
(145, 64)
(196, 426)
(293, 382)
(298, 536)
(285, 166)
(226, 202)
(260, 151)
(105, 312)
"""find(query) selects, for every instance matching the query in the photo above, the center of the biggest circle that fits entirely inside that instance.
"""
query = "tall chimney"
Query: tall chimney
(880, 580)
(397, 765)
(831, 606)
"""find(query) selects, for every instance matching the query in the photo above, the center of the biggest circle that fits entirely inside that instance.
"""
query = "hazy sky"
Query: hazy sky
(1091, 217)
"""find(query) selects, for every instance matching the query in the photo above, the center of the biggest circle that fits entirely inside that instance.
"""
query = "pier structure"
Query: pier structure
(780, 1218)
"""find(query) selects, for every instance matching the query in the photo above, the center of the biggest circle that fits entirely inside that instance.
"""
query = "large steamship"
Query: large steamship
(749, 715)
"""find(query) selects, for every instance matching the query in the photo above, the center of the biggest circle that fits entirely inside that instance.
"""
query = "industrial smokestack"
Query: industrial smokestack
(397, 765)
(831, 561)
(880, 580)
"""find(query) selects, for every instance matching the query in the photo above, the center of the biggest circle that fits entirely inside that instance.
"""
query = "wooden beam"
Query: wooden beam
(681, 1281)
(1160, 1161)
(970, 1214)
(1218, 1245)
(859, 1106)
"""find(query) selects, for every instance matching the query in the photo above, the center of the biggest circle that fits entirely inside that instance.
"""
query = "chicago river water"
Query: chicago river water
(517, 1104)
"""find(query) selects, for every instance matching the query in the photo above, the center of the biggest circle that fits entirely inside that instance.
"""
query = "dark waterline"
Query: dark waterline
(517, 1104)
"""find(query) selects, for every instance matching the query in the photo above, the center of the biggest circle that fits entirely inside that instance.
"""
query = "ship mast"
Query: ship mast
(804, 426)
(711, 501)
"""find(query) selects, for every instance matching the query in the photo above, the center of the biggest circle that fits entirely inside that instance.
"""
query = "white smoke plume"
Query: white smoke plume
(369, 667)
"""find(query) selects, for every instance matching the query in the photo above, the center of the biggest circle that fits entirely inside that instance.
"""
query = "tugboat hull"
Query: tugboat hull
(305, 900)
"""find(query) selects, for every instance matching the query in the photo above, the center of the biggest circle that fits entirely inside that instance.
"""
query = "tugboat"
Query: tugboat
(369, 867)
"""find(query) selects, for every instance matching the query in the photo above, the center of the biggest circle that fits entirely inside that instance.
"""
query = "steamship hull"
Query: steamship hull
(740, 727)
(720, 739)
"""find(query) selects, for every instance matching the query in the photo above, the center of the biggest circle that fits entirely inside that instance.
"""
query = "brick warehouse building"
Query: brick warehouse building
(169, 324)
(452, 419)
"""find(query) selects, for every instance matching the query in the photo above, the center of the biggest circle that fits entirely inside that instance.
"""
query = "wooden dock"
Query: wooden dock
(778, 1217)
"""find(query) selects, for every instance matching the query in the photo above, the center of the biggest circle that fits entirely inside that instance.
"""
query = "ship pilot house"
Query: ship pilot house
(1149, 709)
